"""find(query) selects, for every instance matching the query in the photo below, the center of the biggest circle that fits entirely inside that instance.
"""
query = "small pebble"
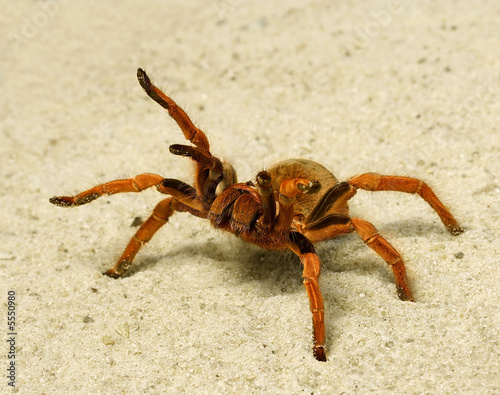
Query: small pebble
(6, 257)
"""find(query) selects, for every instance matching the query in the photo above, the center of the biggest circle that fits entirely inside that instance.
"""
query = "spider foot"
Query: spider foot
(119, 269)
(455, 230)
(404, 294)
(319, 353)
(111, 273)
(62, 201)
(69, 201)
(183, 150)
(144, 80)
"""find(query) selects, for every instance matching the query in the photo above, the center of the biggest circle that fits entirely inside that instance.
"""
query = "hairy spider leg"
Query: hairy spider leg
(301, 246)
(371, 237)
(178, 189)
(209, 171)
(191, 132)
(378, 182)
(183, 193)
(161, 213)
(135, 184)
(323, 223)
(267, 196)
(183, 199)
(160, 216)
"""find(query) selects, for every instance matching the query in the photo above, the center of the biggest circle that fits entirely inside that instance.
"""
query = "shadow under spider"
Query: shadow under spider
(280, 271)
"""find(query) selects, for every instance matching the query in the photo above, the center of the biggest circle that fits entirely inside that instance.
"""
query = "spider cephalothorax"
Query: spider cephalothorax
(292, 205)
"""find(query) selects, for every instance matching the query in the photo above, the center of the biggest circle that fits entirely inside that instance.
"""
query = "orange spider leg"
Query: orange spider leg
(301, 246)
(331, 227)
(209, 171)
(378, 182)
(136, 184)
(267, 195)
(160, 216)
(191, 132)
(381, 246)
(183, 199)
(182, 192)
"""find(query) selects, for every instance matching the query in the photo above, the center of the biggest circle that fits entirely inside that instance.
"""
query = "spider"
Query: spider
(291, 206)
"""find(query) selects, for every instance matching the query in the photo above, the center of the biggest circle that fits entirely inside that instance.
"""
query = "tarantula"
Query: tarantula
(293, 205)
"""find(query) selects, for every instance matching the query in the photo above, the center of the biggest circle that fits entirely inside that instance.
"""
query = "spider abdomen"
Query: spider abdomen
(303, 168)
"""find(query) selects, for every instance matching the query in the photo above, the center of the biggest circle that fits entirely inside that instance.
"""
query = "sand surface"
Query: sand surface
(391, 87)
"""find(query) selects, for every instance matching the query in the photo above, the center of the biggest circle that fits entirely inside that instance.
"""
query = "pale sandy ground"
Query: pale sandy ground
(401, 88)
